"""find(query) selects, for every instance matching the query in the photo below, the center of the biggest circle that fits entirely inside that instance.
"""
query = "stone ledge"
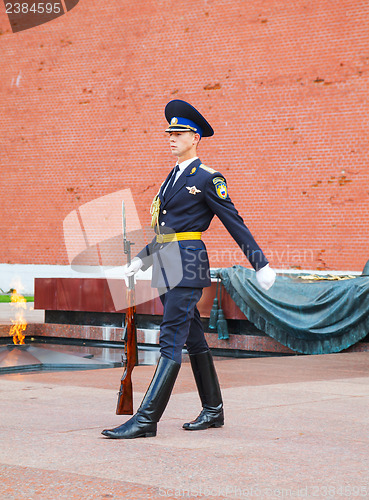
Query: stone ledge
(251, 343)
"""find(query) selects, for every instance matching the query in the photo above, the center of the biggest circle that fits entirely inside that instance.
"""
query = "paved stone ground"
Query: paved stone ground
(295, 427)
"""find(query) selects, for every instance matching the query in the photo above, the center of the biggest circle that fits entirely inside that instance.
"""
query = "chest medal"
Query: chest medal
(193, 190)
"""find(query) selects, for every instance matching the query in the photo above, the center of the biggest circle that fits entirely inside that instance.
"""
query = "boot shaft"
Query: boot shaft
(158, 393)
(206, 379)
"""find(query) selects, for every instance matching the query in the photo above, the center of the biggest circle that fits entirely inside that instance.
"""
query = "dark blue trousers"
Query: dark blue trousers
(181, 325)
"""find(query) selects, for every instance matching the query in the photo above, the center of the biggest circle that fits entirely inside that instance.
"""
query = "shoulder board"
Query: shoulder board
(208, 169)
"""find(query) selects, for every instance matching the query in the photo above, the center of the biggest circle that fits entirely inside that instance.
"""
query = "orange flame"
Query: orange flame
(19, 324)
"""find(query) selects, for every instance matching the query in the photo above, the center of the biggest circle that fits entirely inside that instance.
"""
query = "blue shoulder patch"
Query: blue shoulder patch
(220, 186)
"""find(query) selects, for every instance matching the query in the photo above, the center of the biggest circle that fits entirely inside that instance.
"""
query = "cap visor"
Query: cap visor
(180, 129)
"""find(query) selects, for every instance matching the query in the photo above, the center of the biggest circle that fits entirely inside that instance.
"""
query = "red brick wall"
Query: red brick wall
(284, 84)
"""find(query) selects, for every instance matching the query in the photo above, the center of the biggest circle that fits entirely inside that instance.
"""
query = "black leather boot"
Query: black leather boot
(144, 422)
(209, 391)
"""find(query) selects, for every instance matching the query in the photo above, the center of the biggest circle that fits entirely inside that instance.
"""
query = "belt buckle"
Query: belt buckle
(160, 238)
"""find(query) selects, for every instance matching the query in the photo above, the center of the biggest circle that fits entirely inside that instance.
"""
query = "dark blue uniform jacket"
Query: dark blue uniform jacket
(198, 195)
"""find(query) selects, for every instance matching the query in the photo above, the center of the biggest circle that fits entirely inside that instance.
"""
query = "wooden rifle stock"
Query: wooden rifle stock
(125, 395)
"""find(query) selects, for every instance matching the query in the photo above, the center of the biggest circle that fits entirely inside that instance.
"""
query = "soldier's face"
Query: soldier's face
(183, 144)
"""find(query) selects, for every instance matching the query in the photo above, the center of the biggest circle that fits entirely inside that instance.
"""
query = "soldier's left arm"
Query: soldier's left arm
(220, 203)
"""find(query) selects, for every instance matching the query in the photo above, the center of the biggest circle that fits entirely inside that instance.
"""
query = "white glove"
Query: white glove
(266, 277)
(132, 269)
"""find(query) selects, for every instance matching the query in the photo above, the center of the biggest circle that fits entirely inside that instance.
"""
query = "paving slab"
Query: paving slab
(295, 427)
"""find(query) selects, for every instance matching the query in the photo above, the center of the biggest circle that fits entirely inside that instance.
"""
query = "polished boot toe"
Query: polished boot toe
(131, 429)
(209, 417)
(144, 422)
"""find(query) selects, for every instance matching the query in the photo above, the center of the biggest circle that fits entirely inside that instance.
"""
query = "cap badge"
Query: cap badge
(174, 121)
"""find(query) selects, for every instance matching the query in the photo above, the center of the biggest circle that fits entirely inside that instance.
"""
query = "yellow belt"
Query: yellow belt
(166, 238)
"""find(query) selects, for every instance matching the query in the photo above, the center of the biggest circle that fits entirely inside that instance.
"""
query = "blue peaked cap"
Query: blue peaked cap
(182, 117)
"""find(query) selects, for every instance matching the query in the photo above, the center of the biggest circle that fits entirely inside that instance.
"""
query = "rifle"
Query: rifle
(125, 394)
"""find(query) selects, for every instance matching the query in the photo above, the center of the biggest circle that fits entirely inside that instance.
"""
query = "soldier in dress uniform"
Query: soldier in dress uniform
(182, 210)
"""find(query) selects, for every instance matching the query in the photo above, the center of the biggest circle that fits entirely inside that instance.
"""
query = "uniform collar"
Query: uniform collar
(184, 164)
(190, 168)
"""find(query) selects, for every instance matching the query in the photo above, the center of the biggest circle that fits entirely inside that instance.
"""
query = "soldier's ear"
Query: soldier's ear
(197, 138)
